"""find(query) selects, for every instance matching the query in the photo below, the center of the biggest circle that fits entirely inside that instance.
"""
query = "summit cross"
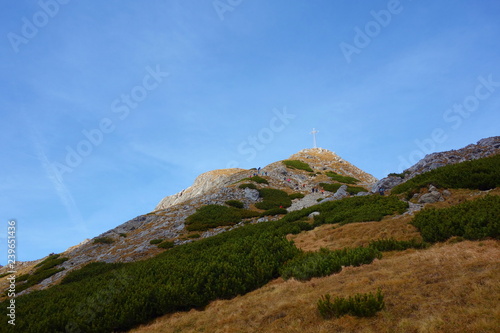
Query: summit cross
(314, 132)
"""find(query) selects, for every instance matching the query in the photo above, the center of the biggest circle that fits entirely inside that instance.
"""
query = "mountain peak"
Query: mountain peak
(326, 160)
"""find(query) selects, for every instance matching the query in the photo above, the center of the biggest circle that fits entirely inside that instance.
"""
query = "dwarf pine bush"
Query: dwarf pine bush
(473, 220)
(235, 203)
(296, 164)
(360, 305)
(342, 179)
(325, 262)
(273, 198)
(392, 244)
(212, 216)
(481, 174)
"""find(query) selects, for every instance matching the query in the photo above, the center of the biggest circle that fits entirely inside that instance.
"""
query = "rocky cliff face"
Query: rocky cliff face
(483, 148)
(203, 184)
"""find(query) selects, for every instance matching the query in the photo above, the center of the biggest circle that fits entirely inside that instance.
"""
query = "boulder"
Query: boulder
(341, 192)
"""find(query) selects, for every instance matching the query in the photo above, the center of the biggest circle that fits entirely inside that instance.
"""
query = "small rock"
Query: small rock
(431, 197)
(313, 214)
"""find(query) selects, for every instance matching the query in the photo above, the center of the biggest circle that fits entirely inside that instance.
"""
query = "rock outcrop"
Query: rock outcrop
(204, 183)
(483, 148)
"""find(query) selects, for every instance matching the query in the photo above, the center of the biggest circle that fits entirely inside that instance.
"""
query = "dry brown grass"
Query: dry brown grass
(355, 234)
(447, 288)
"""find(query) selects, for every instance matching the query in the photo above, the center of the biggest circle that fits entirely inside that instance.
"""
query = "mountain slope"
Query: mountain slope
(244, 259)
(130, 241)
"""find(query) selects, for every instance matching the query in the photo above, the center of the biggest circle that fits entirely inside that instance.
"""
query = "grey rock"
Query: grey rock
(309, 200)
(251, 194)
(413, 208)
(431, 197)
(386, 183)
(341, 192)
(362, 194)
(313, 214)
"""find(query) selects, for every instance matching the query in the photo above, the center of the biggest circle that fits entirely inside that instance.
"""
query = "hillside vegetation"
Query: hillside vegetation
(258, 278)
(187, 276)
(481, 174)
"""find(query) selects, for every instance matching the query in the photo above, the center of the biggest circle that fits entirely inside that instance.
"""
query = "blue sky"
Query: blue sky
(108, 106)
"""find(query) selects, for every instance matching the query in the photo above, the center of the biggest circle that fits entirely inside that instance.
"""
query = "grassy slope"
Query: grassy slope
(447, 286)
(436, 290)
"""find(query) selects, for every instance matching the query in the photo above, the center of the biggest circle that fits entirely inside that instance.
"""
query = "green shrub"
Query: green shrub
(90, 271)
(235, 203)
(155, 241)
(353, 190)
(258, 180)
(212, 216)
(473, 220)
(296, 164)
(45, 269)
(124, 235)
(23, 277)
(194, 236)
(357, 209)
(4, 275)
(360, 305)
(247, 213)
(400, 175)
(249, 185)
(49, 259)
(274, 211)
(304, 226)
(273, 198)
(341, 179)
(330, 187)
(394, 245)
(166, 245)
(481, 174)
(103, 240)
(296, 196)
(326, 262)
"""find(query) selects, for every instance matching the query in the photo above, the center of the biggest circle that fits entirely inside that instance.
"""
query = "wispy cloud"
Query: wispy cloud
(55, 179)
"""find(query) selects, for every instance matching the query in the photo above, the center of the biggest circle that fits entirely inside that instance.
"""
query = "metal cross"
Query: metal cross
(314, 132)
